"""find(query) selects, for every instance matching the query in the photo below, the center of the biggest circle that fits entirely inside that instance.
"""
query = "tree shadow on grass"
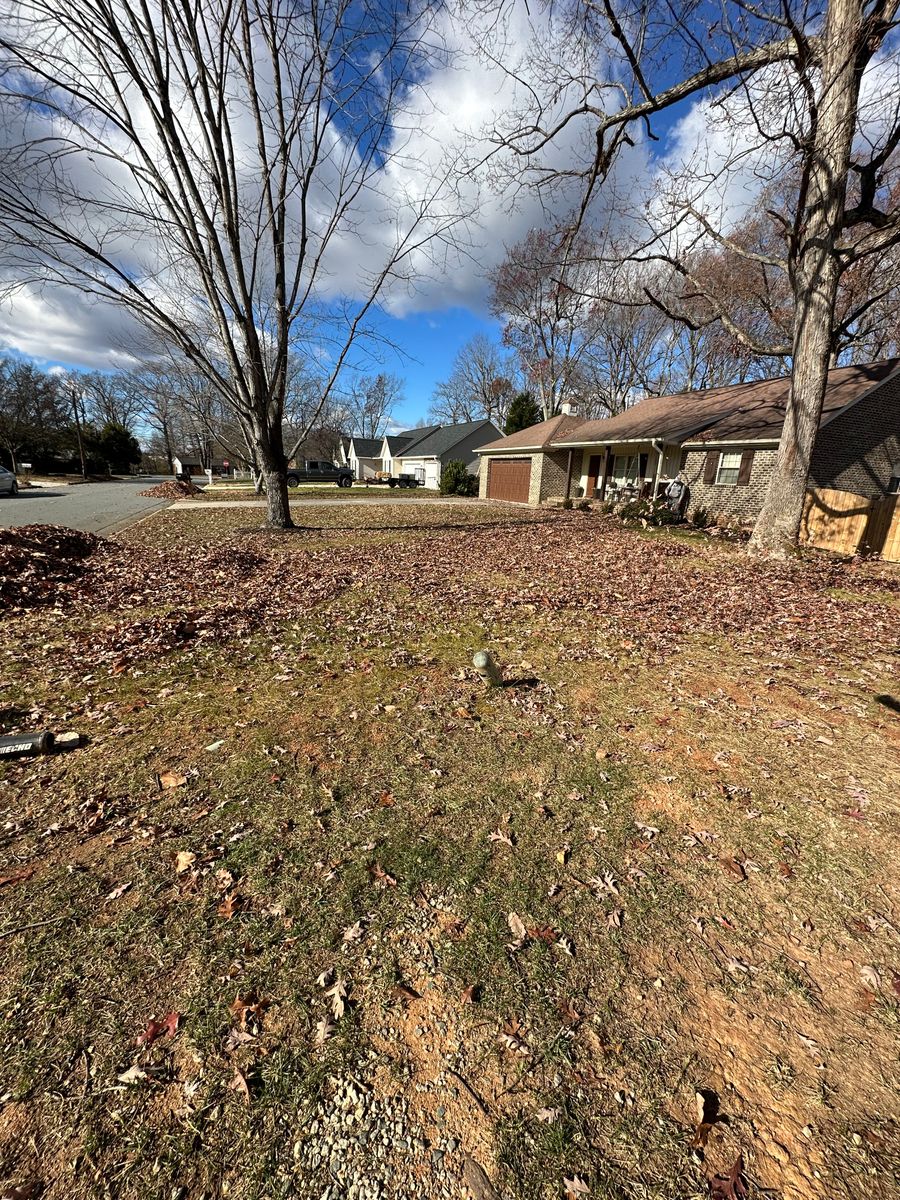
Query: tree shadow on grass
(440, 527)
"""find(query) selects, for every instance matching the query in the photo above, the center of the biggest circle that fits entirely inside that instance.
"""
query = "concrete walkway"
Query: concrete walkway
(310, 501)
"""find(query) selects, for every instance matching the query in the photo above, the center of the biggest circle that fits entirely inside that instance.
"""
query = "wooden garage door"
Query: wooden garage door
(509, 479)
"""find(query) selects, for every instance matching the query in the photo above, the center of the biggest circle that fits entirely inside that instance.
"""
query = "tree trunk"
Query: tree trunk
(167, 442)
(815, 277)
(272, 466)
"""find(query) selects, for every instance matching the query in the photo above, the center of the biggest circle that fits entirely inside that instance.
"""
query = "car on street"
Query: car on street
(9, 485)
(317, 471)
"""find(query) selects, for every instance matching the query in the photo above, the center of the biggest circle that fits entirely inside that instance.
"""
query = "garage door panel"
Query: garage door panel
(509, 479)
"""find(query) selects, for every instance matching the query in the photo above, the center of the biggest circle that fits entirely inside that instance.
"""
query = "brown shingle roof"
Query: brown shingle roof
(536, 437)
(741, 412)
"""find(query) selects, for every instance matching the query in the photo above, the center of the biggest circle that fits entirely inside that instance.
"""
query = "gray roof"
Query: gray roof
(441, 440)
(366, 447)
(397, 442)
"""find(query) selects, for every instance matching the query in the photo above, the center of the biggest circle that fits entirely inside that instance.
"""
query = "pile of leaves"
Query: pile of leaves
(173, 489)
(35, 560)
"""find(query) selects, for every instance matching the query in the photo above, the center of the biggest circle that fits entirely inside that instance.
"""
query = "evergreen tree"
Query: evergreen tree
(522, 412)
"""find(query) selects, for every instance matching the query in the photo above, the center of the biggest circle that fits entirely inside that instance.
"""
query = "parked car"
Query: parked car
(8, 482)
(315, 471)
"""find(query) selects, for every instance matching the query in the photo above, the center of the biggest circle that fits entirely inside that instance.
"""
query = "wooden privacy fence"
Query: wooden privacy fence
(849, 524)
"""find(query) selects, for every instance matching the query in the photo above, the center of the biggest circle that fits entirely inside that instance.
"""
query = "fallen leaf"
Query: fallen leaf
(354, 932)
(158, 1027)
(575, 1187)
(232, 904)
(517, 928)
(240, 1085)
(562, 855)
(338, 993)
(701, 1135)
(118, 891)
(184, 860)
(134, 1074)
(730, 1186)
(547, 1115)
(324, 1030)
(471, 994)
(500, 835)
(387, 800)
(213, 746)
(568, 1012)
(511, 1036)
(249, 1009)
(171, 779)
(405, 992)
(380, 875)
(870, 977)
(17, 876)
(732, 867)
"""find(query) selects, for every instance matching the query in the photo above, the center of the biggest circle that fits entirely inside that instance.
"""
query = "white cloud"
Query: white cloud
(446, 111)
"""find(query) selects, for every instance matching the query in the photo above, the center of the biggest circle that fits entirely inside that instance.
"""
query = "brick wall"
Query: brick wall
(483, 475)
(737, 502)
(855, 451)
(554, 472)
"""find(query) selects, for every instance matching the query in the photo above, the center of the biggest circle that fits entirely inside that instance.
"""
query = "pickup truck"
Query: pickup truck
(317, 471)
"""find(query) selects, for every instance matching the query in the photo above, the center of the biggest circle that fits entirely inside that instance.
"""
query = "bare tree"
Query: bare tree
(205, 168)
(820, 66)
(544, 291)
(480, 386)
(369, 401)
(111, 398)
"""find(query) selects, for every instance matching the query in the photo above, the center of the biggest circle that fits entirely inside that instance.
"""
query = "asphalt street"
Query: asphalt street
(94, 507)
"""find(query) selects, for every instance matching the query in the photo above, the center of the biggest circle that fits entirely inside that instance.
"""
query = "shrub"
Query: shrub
(653, 512)
(567, 503)
(701, 518)
(456, 480)
(584, 506)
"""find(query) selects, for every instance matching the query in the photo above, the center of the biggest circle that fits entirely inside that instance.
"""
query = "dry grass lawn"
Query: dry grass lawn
(312, 914)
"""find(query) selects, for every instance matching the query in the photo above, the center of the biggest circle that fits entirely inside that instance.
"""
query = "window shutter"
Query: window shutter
(746, 468)
(711, 466)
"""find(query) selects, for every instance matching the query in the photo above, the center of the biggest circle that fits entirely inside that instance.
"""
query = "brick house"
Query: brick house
(724, 440)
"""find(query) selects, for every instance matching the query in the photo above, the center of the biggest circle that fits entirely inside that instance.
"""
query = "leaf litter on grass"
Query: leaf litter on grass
(513, 1040)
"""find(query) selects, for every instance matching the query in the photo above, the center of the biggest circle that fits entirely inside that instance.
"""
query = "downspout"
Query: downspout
(569, 475)
(659, 448)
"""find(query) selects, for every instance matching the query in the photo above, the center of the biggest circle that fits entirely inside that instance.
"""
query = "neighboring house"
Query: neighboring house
(188, 463)
(393, 445)
(427, 455)
(364, 457)
(724, 440)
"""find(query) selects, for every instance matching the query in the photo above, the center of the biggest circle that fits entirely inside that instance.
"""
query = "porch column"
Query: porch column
(607, 467)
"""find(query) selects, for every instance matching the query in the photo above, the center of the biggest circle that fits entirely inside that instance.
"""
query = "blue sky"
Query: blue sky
(430, 341)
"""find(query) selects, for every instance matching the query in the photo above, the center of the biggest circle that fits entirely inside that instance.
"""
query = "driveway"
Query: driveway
(93, 507)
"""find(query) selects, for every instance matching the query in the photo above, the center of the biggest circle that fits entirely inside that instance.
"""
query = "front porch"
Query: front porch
(624, 470)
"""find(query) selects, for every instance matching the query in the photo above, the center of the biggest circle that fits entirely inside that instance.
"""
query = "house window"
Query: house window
(625, 468)
(728, 469)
